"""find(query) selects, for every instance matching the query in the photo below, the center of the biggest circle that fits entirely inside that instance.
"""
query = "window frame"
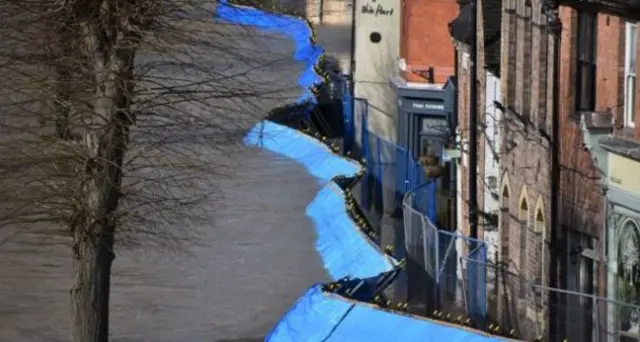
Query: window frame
(630, 76)
(585, 61)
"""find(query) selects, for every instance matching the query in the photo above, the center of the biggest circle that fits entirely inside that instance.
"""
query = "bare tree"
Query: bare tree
(111, 114)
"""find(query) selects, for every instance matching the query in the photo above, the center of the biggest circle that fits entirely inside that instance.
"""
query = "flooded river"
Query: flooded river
(250, 262)
(248, 268)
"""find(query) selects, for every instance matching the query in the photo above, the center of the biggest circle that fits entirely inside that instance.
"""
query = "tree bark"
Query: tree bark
(106, 142)
(93, 256)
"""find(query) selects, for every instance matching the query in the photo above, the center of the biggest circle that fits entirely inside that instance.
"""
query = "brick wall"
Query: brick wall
(524, 156)
(581, 200)
(464, 79)
(425, 40)
(481, 97)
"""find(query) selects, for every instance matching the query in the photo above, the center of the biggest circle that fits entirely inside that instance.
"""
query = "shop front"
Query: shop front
(623, 245)
(425, 121)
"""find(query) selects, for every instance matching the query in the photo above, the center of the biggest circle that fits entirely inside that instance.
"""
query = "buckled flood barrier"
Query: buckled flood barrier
(342, 242)
(319, 316)
(297, 29)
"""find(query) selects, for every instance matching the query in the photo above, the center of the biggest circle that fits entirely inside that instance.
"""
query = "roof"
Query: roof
(461, 30)
(623, 147)
(623, 8)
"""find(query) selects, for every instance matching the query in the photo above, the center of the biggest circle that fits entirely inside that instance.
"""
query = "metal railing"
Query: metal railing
(433, 260)
(450, 272)
(390, 167)
(519, 305)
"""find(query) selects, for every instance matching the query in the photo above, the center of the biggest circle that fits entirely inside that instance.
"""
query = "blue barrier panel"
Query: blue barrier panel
(312, 318)
(316, 316)
(342, 247)
(316, 157)
(292, 27)
(321, 317)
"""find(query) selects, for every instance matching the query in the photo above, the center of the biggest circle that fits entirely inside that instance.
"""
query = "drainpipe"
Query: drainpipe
(352, 62)
(554, 246)
(603, 267)
(352, 66)
(473, 128)
(455, 167)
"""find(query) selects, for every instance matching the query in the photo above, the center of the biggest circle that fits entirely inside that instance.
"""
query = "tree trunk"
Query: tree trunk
(93, 256)
(95, 224)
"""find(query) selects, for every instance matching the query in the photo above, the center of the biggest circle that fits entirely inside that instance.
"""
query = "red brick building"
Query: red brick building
(488, 48)
(424, 39)
(599, 103)
(598, 107)
(424, 95)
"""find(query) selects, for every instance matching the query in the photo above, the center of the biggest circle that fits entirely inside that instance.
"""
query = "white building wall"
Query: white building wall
(377, 62)
(493, 116)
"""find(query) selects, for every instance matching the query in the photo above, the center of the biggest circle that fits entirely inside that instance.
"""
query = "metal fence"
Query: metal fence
(517, 305)
(349, 131)
(434, 257)
(396, 182)
(391, 171)
(391, 168)
(451, 273)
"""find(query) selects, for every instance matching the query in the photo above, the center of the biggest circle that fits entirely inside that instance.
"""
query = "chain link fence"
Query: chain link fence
(518, 307)
(434, 257)
(450, 273)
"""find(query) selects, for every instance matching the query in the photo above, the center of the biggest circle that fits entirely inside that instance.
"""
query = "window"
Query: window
(586, 63)
(505, 227)
(528, 44)
(631, 48)
(524, 225)
(541, 235)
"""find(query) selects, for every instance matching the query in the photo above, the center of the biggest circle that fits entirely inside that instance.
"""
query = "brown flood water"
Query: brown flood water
(247, 270)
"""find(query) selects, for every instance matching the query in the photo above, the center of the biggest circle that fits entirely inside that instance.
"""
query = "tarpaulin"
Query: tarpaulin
(344, 250)
(341, 245)
(314, 155)
(294, 28)
(317, 316)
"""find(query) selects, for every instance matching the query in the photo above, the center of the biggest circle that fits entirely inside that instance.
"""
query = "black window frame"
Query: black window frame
(587, 44)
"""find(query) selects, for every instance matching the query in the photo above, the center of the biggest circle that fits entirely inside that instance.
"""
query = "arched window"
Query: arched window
(497, 303)
(523, 216)
(524, 210)
(539, 225)
(505, 225)
(540, 232)
(629, 276)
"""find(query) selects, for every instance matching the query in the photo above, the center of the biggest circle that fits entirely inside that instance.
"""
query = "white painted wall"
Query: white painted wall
(493, 117)
(463, 59)
(377, 62)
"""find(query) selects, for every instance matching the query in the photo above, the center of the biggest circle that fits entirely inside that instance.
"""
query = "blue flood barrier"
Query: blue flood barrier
(318, 316)
(341, 245)
(315, 156)
(344, 250)
(294, 28)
